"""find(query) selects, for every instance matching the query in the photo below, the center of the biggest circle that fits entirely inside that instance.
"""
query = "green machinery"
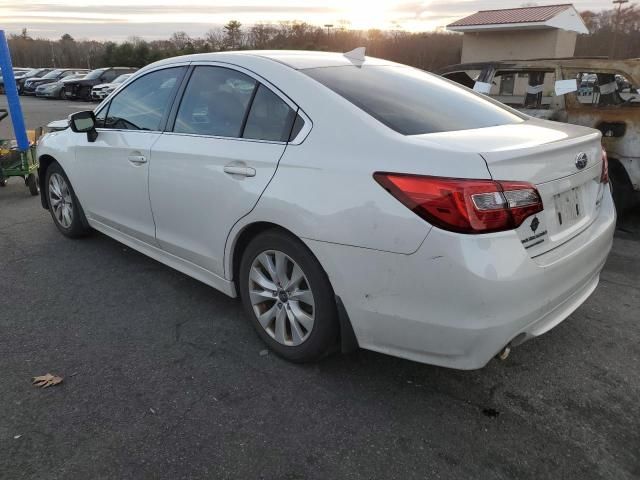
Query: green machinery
(17, 163)
(17, 157)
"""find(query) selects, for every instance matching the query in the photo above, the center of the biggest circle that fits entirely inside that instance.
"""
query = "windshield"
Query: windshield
(122, 78)
(95, 74)
(34, 72)
(411, 101)
(53, 74)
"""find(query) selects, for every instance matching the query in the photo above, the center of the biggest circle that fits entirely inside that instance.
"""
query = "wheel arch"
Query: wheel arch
(347, 341)
(44, 162)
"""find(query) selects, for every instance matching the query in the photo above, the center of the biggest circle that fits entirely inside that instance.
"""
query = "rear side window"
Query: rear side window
(413, 102)
(215, 102)
(270, 118)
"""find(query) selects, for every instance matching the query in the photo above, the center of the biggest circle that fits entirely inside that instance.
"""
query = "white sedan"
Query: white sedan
(348, 201)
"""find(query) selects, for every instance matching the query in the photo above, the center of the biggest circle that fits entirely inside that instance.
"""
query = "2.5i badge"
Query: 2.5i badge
(532, 232)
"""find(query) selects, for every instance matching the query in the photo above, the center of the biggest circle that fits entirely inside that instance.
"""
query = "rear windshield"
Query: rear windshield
(411, 101)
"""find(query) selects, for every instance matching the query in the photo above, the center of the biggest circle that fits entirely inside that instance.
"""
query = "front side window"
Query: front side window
(270, 118)
(215, 102)
(411, 101)
(143, 103)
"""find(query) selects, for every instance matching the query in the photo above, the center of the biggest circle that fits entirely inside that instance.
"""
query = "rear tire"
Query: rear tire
(64, 206)
(294, 299)
(623, 193)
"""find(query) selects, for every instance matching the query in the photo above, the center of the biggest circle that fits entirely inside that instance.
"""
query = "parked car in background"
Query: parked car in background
(347, 200)
(103, 90)
(81, 89)
(56, 89)
(31, 84)
(22, 75)
(33, 73)
(602, 94)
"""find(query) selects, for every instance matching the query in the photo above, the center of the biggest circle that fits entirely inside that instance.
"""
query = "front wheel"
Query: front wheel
(288, 297)
(33, 184)
(63, 204)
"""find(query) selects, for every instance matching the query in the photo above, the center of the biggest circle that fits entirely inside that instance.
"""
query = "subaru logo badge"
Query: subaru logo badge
(581, 160)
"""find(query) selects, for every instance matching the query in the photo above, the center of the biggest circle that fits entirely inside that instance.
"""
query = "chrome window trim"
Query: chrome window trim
(132, 79)
(302, 134)
(279, 93)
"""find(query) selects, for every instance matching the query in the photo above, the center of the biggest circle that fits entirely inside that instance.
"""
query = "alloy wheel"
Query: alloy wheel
(60, 200)
(281, 297)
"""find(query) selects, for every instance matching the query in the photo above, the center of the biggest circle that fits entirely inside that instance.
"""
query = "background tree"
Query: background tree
(426, 50)
(233, 34)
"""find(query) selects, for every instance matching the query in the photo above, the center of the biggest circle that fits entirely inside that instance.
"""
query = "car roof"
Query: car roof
(296, 59)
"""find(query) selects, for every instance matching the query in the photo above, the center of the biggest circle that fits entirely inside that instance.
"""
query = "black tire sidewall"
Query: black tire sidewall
(77, 228)
(323, 336)
(32, 183)
(622, 189)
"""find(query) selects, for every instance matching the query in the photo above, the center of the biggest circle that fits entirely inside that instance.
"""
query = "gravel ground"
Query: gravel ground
(165, 378)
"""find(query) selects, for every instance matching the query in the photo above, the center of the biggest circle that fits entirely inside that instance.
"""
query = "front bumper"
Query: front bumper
(48, 93)
(459, 299)
(100, 95)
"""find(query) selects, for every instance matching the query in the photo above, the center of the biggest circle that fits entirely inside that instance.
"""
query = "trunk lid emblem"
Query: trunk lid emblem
(581, 160)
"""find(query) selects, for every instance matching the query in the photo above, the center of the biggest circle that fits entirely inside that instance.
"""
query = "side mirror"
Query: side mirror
(84, 122)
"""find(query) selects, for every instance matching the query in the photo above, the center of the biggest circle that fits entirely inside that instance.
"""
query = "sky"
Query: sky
(155, 19)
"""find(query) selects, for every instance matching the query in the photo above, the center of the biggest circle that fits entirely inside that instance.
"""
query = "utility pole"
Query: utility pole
(328, 26)
(616, 26)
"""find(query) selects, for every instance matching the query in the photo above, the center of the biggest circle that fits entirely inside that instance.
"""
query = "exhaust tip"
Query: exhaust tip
(504, 353)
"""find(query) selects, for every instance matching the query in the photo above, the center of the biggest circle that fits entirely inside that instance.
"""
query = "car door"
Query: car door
(228, 133)
(113, 171)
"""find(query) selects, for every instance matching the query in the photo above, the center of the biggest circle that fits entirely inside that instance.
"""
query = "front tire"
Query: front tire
(33, 184)
(63, 204)
(288, 297)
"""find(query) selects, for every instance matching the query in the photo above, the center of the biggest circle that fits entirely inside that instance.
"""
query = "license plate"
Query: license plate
(568, 207)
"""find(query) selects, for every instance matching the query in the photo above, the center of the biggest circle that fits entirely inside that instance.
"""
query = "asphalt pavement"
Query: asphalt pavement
(164, 378)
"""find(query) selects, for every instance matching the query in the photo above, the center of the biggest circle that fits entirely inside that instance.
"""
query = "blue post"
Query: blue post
(11, 92)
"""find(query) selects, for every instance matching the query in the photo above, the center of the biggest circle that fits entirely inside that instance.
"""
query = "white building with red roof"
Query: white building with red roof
(547, 31)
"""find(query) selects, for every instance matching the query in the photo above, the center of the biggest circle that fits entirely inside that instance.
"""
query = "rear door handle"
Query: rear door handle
(238, 170)
(137, 159)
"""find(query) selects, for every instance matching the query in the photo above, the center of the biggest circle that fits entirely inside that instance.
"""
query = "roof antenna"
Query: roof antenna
(357, 54)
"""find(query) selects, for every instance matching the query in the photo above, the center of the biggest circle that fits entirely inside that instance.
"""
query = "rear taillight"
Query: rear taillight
(463, 205)
(604, 177)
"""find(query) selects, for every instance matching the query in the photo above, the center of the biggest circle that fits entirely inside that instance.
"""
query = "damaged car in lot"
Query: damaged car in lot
(594, 92)
(347, 200)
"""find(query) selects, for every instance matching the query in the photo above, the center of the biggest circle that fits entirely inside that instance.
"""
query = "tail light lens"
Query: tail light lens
(604, 178)
(463, 205)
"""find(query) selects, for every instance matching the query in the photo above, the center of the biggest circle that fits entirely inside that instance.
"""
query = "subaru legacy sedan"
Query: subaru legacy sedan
(348, 201)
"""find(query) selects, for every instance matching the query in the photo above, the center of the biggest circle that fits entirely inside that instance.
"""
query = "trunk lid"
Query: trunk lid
(548, 155)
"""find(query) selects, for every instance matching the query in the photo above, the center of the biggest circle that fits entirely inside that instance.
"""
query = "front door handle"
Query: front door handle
(239, 170)
(137, 159)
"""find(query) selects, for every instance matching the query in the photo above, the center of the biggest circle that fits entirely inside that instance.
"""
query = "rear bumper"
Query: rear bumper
(460, 299)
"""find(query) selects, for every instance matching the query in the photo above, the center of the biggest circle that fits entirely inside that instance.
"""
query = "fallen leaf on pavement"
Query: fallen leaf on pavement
(47, 380)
